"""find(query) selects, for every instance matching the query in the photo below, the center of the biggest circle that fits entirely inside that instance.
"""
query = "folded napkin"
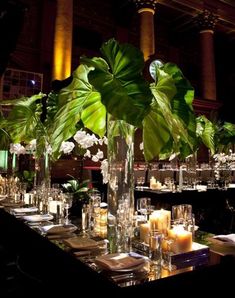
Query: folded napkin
(120, 261)
(25, 210)
(81, 243)
(226, 238)
(37, 217)
(58, 229)
(6, 203)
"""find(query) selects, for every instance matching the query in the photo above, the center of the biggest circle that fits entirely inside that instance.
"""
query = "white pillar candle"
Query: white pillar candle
(152, 182)
(55, 207)
(159, 221)
(144, 232)
(28, 198)
(182, 239)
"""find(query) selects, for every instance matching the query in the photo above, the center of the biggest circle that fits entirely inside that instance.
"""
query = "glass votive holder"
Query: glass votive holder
(182, 239)
(56, 208)
(155, 248)
(86, 218)
(28, 199)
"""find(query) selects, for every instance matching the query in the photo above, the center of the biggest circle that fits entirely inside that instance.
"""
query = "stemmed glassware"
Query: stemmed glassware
(144, 206)
(140, 182)
(68, 200)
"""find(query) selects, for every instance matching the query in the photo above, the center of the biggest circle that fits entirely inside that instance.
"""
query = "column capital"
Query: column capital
(145, 5)
(206, 20)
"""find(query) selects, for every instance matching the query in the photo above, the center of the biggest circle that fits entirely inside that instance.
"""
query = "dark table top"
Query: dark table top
(59, 271)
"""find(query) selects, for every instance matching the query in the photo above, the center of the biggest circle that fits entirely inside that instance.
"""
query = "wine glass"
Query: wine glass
(68, 200)
(143, 206)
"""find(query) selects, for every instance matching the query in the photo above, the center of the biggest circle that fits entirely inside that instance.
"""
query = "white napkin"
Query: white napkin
(226, 238)
(201, 187)
(25, 210)
(58, 229)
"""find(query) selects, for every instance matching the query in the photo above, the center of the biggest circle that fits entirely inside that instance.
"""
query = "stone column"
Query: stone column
(146, 9)
(63, 40)
(206, 22)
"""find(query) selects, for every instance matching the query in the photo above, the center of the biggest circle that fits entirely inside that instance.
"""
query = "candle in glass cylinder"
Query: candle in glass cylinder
(182, 239)
(144, 232)
(158, 221)
(152, 182)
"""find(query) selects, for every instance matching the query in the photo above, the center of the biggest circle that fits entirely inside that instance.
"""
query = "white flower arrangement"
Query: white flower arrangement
(67, 147)
(85, 141)
(223, 162)
(17, 149)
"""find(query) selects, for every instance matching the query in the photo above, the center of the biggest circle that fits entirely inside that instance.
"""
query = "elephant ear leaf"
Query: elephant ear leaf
(24, 121)
(118, 78)
(206, 132)
(77, 101)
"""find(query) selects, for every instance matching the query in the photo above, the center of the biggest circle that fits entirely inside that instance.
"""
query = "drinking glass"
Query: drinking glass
(86, 218)
(140, 182)
(144, 206)
(155, 247)
(68, 200)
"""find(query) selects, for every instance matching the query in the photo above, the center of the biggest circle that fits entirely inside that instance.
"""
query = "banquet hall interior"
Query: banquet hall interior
(117, 135)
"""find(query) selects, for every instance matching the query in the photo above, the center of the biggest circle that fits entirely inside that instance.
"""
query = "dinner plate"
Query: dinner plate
(25, 210)
(38, 217)
(3, 197)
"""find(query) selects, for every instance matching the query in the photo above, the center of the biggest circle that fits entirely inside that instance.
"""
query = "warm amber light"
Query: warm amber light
(63, 40)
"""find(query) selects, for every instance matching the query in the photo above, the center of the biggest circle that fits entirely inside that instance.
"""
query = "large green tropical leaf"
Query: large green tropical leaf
(182, 100)
(155, 133)
(23, 122)
(227, 135)
(77, 101)
(173, 122)
(206, 132)
(118, 78)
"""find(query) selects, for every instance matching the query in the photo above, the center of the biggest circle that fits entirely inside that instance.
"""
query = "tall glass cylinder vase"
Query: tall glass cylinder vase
(42, 171)
(121, 184)
(42, 181)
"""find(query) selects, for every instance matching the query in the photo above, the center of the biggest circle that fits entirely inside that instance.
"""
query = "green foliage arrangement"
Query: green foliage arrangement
(114, 84)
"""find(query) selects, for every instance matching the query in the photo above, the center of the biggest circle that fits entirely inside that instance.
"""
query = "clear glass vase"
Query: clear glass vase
(121, 184)
(42, 171)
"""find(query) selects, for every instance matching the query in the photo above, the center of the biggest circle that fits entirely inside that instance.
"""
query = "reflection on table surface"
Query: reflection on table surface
(66, 237)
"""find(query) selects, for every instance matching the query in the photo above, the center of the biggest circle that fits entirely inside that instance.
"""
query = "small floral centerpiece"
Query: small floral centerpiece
(224, 164)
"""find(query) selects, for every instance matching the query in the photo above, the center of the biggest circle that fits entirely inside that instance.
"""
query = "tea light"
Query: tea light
(182, 239)
(144, 232)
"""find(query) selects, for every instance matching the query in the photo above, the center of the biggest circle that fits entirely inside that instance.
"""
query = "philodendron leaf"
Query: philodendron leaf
(228, 133)
(174, 124)
(182, 100)
(155, 133)
(118, 78)
(24, 118)
(206, 132)
(77, 101)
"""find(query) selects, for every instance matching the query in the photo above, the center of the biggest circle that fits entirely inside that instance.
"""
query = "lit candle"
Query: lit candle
(152, 182)
(55, 206)
(28, 198)
(160, 220)
(182, 239)
(144, 232)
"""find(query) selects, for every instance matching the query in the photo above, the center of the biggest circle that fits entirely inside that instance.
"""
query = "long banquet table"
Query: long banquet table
(57, 271)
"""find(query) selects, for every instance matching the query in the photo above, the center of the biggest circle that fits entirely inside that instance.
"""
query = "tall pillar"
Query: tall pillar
(62, 56)
(206, 22)
(146, 9)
